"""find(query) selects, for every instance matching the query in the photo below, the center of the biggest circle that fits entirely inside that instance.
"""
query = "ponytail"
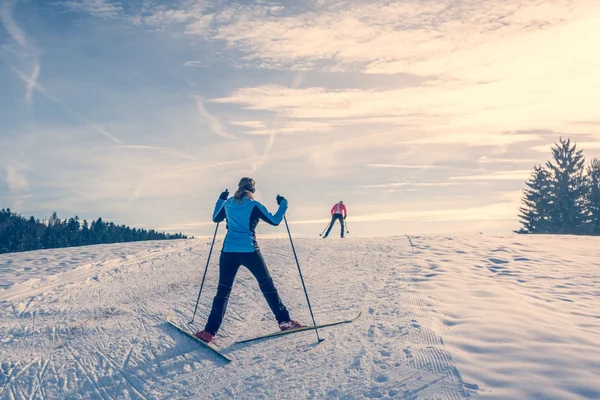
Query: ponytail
(245, 189)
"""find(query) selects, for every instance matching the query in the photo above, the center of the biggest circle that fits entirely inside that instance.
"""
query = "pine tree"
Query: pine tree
(569, 188)
(536, 213)
(593, 197)
(85, 233)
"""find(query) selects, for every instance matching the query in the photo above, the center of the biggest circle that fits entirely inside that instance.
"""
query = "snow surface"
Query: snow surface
(511, 317)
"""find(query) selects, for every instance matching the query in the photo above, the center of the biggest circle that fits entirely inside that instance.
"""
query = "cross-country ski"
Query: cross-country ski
(190, 334)
(295, 330)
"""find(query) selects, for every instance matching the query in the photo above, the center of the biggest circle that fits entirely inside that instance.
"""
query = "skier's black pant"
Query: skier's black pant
(335, 217)
(229, 265)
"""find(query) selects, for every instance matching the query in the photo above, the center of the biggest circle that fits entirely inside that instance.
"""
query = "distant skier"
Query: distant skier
(241, 248)
(338, 213)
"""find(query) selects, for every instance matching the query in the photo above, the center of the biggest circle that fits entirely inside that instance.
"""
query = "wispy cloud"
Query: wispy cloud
(318, 154)
(90, 124)
(31, 81)
(166, 150)
(401, 166)
(502, 160)
(186, 226)
(16, 178)
(28, 55)
(27, 52)
(495, 176)
(298, 79)
(98, 8)
(470, 115)
(294, 127)
(90, 197)
(486, 67)
(365, 35)
(213, 122)
(495, 211)
(410, 184)
(249, 124)
(11, 26)
(195, 64)
(580, 145)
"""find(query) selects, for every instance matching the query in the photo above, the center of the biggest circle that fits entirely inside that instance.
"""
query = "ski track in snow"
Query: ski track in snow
(443, 318)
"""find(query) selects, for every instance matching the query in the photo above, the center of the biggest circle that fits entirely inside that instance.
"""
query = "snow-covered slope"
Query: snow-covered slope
(443, 318)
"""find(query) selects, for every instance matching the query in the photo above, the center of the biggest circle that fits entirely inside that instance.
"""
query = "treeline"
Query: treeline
(563, 196)
(18, 233)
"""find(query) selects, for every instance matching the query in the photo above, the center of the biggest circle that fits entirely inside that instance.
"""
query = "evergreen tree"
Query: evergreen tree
(593, 203)
(569, 188)
(85, 232)
(536, 213)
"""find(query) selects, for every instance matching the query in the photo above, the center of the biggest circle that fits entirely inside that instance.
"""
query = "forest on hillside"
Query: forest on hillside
(18, 233)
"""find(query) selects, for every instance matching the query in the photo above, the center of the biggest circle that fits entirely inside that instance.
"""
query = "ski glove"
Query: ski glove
(345, 216)
(224, 195)
(279, 199)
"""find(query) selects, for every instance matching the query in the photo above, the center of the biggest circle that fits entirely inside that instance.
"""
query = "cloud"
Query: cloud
(11, 26)
(98, 8)
(495, 211)
(400, 166)
(386, 37)
(166, 150)
(27, 53)
(298, 79)
(31, 81)
(521, 175)
(91, 125)
(580, 145)
(16, 178)
(244, 155)
(196, 64)
(185, 226)
(90, 197)
(249, 124)
(471, 115)
(411, 184)
(526, 56)
(213, 122)
(153, 183)
(501, 160)
(294, 127)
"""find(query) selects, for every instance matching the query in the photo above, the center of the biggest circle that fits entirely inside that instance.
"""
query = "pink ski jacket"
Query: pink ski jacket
(338, 209)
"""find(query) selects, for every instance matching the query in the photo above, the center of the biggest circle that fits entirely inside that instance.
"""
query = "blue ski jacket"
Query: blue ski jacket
(242, 219)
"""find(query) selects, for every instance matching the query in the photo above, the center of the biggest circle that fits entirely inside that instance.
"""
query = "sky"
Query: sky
(422, 116)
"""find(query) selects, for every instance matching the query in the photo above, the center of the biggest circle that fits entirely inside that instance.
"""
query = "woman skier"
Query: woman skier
(241, 248)
(338, 213)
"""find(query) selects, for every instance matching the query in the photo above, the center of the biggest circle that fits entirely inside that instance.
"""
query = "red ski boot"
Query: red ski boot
(291, 324)
(205, 336)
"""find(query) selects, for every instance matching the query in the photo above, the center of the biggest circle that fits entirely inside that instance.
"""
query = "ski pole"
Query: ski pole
(302, 279)
(345, 223)
(324, 229)
(204, 276)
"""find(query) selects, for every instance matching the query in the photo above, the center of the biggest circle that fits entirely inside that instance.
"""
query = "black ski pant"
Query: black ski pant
(229, 264)
(335, 217)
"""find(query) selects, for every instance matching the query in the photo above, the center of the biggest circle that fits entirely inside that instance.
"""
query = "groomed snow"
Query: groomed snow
(443, 318)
